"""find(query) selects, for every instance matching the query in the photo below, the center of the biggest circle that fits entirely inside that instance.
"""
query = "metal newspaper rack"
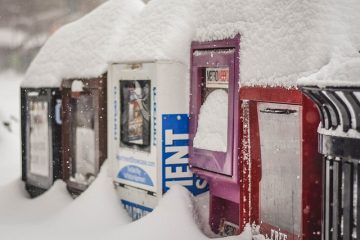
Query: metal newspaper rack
(339, 141)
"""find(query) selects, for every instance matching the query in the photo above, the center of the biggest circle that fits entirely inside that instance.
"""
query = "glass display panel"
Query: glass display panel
(84, 164)
(280, 186)
(135, 114)
(212, 130)
(39, 138)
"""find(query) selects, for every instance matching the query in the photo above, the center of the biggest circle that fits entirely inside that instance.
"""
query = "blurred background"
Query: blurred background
(25, 25)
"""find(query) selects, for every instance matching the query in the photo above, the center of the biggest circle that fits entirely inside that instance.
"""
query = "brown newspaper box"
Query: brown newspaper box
(84, 131)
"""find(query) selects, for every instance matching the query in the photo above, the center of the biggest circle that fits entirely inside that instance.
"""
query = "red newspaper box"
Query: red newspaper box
(280, 145)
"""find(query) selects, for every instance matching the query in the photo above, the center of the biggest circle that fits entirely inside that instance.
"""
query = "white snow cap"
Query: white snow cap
(282, 40)
(81, 49)
(162, 32)
(338, 73)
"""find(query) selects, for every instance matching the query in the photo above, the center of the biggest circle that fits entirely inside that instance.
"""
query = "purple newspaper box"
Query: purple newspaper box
(214, 116)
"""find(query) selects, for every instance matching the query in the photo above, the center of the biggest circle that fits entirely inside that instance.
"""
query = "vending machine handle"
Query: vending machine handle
(58, 119)
(278, 111)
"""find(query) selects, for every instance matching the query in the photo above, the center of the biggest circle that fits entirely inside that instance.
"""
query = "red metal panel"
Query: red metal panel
(310, 162)
(271, 95)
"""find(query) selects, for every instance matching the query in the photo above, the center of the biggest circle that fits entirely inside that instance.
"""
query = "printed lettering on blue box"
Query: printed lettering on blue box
(135, 211)
(175, 155)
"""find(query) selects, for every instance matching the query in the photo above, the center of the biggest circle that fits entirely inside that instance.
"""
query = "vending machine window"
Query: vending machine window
(135, 114)
(213, 110)
(40, 114)
(83, 168)
(38, 127)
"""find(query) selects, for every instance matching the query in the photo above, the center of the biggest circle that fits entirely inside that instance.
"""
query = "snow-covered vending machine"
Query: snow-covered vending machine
(339, 141)
(214, 129)
(148, 132)
(84, 136)
(280, 145)
(256, 147)
(40, 137)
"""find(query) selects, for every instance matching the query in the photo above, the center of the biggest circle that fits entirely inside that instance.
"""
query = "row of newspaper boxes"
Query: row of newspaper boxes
(254, 148)
(63, 134)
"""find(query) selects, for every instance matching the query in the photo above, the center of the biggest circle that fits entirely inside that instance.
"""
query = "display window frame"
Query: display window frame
(144, 111)
(39, 180)
(215, 58)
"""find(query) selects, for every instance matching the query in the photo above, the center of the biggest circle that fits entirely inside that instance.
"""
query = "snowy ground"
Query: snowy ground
(96, 214)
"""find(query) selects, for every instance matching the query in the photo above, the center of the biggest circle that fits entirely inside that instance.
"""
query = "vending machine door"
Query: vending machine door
(39, 139)
(84, 149)
(137, 165)
(212, 107)
(281, 171)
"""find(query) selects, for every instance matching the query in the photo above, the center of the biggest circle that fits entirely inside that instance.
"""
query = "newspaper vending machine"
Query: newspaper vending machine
(148, 133)
(84, 131)
(214, 129)
(280, 131)
(339, 138)
(256, 147)
(40, 137)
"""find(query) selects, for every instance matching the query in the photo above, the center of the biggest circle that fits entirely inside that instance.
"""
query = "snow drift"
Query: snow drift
(282, 41)
(339, 72)
(163, 31)
(82, 49)
(17, 208)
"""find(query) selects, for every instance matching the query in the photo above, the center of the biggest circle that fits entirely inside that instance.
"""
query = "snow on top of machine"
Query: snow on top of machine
(339, 72)
(282, 41)
(163, 31)
(82, 49)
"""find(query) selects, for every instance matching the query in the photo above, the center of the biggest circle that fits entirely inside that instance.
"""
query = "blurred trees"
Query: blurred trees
(26, 24)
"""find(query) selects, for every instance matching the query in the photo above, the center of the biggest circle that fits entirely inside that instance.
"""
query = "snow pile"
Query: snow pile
(211, 133)
(163, 31)
(282, 40)
(173, 219)
(97, 214)
(16, 207)
(82, 48)
(98, 206)
(9, 126)
(339, 72)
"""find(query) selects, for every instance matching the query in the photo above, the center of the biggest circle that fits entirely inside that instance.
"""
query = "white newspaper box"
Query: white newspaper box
(148, 132)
